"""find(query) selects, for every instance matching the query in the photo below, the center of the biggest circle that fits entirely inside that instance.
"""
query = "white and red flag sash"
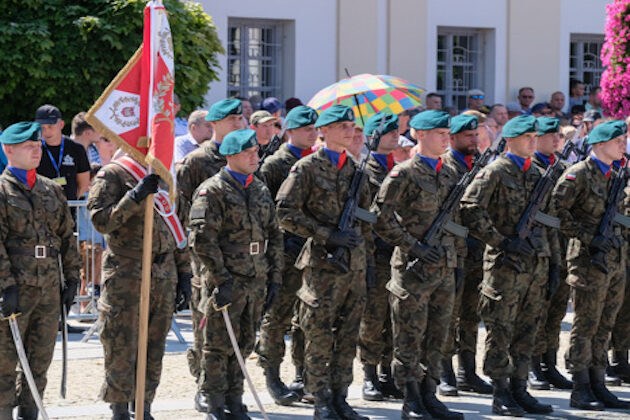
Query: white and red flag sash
(161, 202)
(136, 109)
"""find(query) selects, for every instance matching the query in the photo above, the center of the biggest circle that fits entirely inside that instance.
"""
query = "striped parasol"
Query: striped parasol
(368, 94)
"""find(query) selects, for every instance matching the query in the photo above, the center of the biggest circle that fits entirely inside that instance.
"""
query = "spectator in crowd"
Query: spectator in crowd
(525, 98)
(273, 106)
(357, 148)
(403, 122)
(433, 101)
(84, 134)
(475, 98)
(576, 93)
(492, 127)
(199, 130)
(106, 150)
(451, 110)
(403, 151)
(513, 110)
(594, 102)
(263, 122)
(181, 125)
(291, 103)
(248, 109)
(557, 103)
(542, 109)
(499, 113)
(63, 160)
(590, 120)
(256, 102)
(577, 113)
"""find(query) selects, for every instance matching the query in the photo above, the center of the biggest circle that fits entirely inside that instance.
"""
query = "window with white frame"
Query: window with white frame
(459, 64)
(255, 49)
(585, 63)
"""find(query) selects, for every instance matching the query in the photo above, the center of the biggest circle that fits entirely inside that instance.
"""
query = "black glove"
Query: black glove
(554, 280)
(68, 293)
(370, 277)
(426, 253)
(183, 293)
(459, 279)
(147, 185)
(344, 238)
(9, 304)
(273, 290)
(222, 295)
(517, 246)
(600, 243)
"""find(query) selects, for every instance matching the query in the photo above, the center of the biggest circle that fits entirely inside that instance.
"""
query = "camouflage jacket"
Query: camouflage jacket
(121, 219)
(376, 175)
(35, 217)
(495, 201)
(225, 218)
(310, 203)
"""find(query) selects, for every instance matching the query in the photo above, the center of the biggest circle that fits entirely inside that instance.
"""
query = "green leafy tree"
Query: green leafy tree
(66, 52)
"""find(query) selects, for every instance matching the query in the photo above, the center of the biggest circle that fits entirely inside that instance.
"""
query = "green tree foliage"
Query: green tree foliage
(66, 52)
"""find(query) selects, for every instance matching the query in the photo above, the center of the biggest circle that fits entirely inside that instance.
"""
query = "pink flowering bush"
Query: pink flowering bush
(615, 81)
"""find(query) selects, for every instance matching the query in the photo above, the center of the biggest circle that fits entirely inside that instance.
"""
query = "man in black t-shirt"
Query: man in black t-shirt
(63, 160)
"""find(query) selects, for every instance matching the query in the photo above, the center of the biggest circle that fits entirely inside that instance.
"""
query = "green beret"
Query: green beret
(463, 123)
(300, 116)
(21, 132)
(520, 125)
(548, 125)
(336, 113)
(389, 121)
(223, 108)
(237, 141)
(607, 131)
(428, 120)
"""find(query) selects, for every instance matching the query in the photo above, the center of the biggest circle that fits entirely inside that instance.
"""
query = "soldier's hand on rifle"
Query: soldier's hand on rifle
(344, 238)
(9, 304)
(273, 290)
(426, 253)
(182, 296)
(147, 185)
(370, 277)
(554, 280)
(517, 246)
(68, 293)
(600, 243)
(222, 295)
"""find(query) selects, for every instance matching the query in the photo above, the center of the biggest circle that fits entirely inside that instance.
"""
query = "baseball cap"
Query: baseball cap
(260, 117)
(271, 105)
(47, 114)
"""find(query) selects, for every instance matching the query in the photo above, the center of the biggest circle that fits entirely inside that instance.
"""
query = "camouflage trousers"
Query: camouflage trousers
(38, 323)
(220, 371)
(597, 298)
(119, 313)
(551, 315)
(509, 305)
(193, 354)
(297, 338)
(330, 312)
(462, 334)
(375, 331)
(621, 330)
(421, 314)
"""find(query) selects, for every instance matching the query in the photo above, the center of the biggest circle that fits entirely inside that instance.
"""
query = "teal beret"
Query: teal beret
(21, 132)
(607, 131)
(548, 125)
(463, 122)
(300, 116)
(223, 108)
(389, 121)
(428, 120)
(237, 141)
(336, 113)
(520, 125)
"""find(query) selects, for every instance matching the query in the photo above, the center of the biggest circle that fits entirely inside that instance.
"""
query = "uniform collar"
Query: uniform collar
(243, 179)
(298, 152)
(386, 161)
(521, 162)
(337, 159)
(603, 167)
(435, 164)
(26, 177)
(546, 159)
(464, 160)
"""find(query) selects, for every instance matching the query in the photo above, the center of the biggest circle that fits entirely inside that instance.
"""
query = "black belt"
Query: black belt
(137, 255)
(252, 248)
(38, 251)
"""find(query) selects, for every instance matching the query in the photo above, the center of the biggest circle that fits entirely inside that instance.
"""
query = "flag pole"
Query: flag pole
(145, 295)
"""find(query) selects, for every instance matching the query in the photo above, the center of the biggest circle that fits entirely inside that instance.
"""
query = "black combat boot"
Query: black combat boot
(120, 411)
(27, 413)
(598, 385)
(235, 409)
(6, 413)
(297, 386)
(582, 395)
(434, 406)
(277, 389)
(536, 378)
(610, 377)
(413, 407)
(467, 378)
(216, 407)
(448, 384)
(388, 386)
(502, 402)
(324, 409)
(371, 385)
(525, 400)
(341, 406)
(201, 402)
(147, 410)
(549, 369)
(620, 365)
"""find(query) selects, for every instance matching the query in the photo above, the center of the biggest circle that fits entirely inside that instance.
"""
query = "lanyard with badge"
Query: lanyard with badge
(61, 180)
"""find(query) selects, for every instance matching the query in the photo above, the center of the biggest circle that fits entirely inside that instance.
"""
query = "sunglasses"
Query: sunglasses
(477, 96)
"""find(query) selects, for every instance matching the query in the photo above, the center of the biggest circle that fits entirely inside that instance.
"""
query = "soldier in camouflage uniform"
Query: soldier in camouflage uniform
(375, 332)
(423, 280)
(515, 271)
(116, 205)
(199, 165)
(543, 371)
(277, 321)
(35, 230)
(462, 337)
(235, 237)
(310, 203)
(580, 201)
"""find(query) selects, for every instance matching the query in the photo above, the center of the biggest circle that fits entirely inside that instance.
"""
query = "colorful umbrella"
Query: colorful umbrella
(368, 94)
